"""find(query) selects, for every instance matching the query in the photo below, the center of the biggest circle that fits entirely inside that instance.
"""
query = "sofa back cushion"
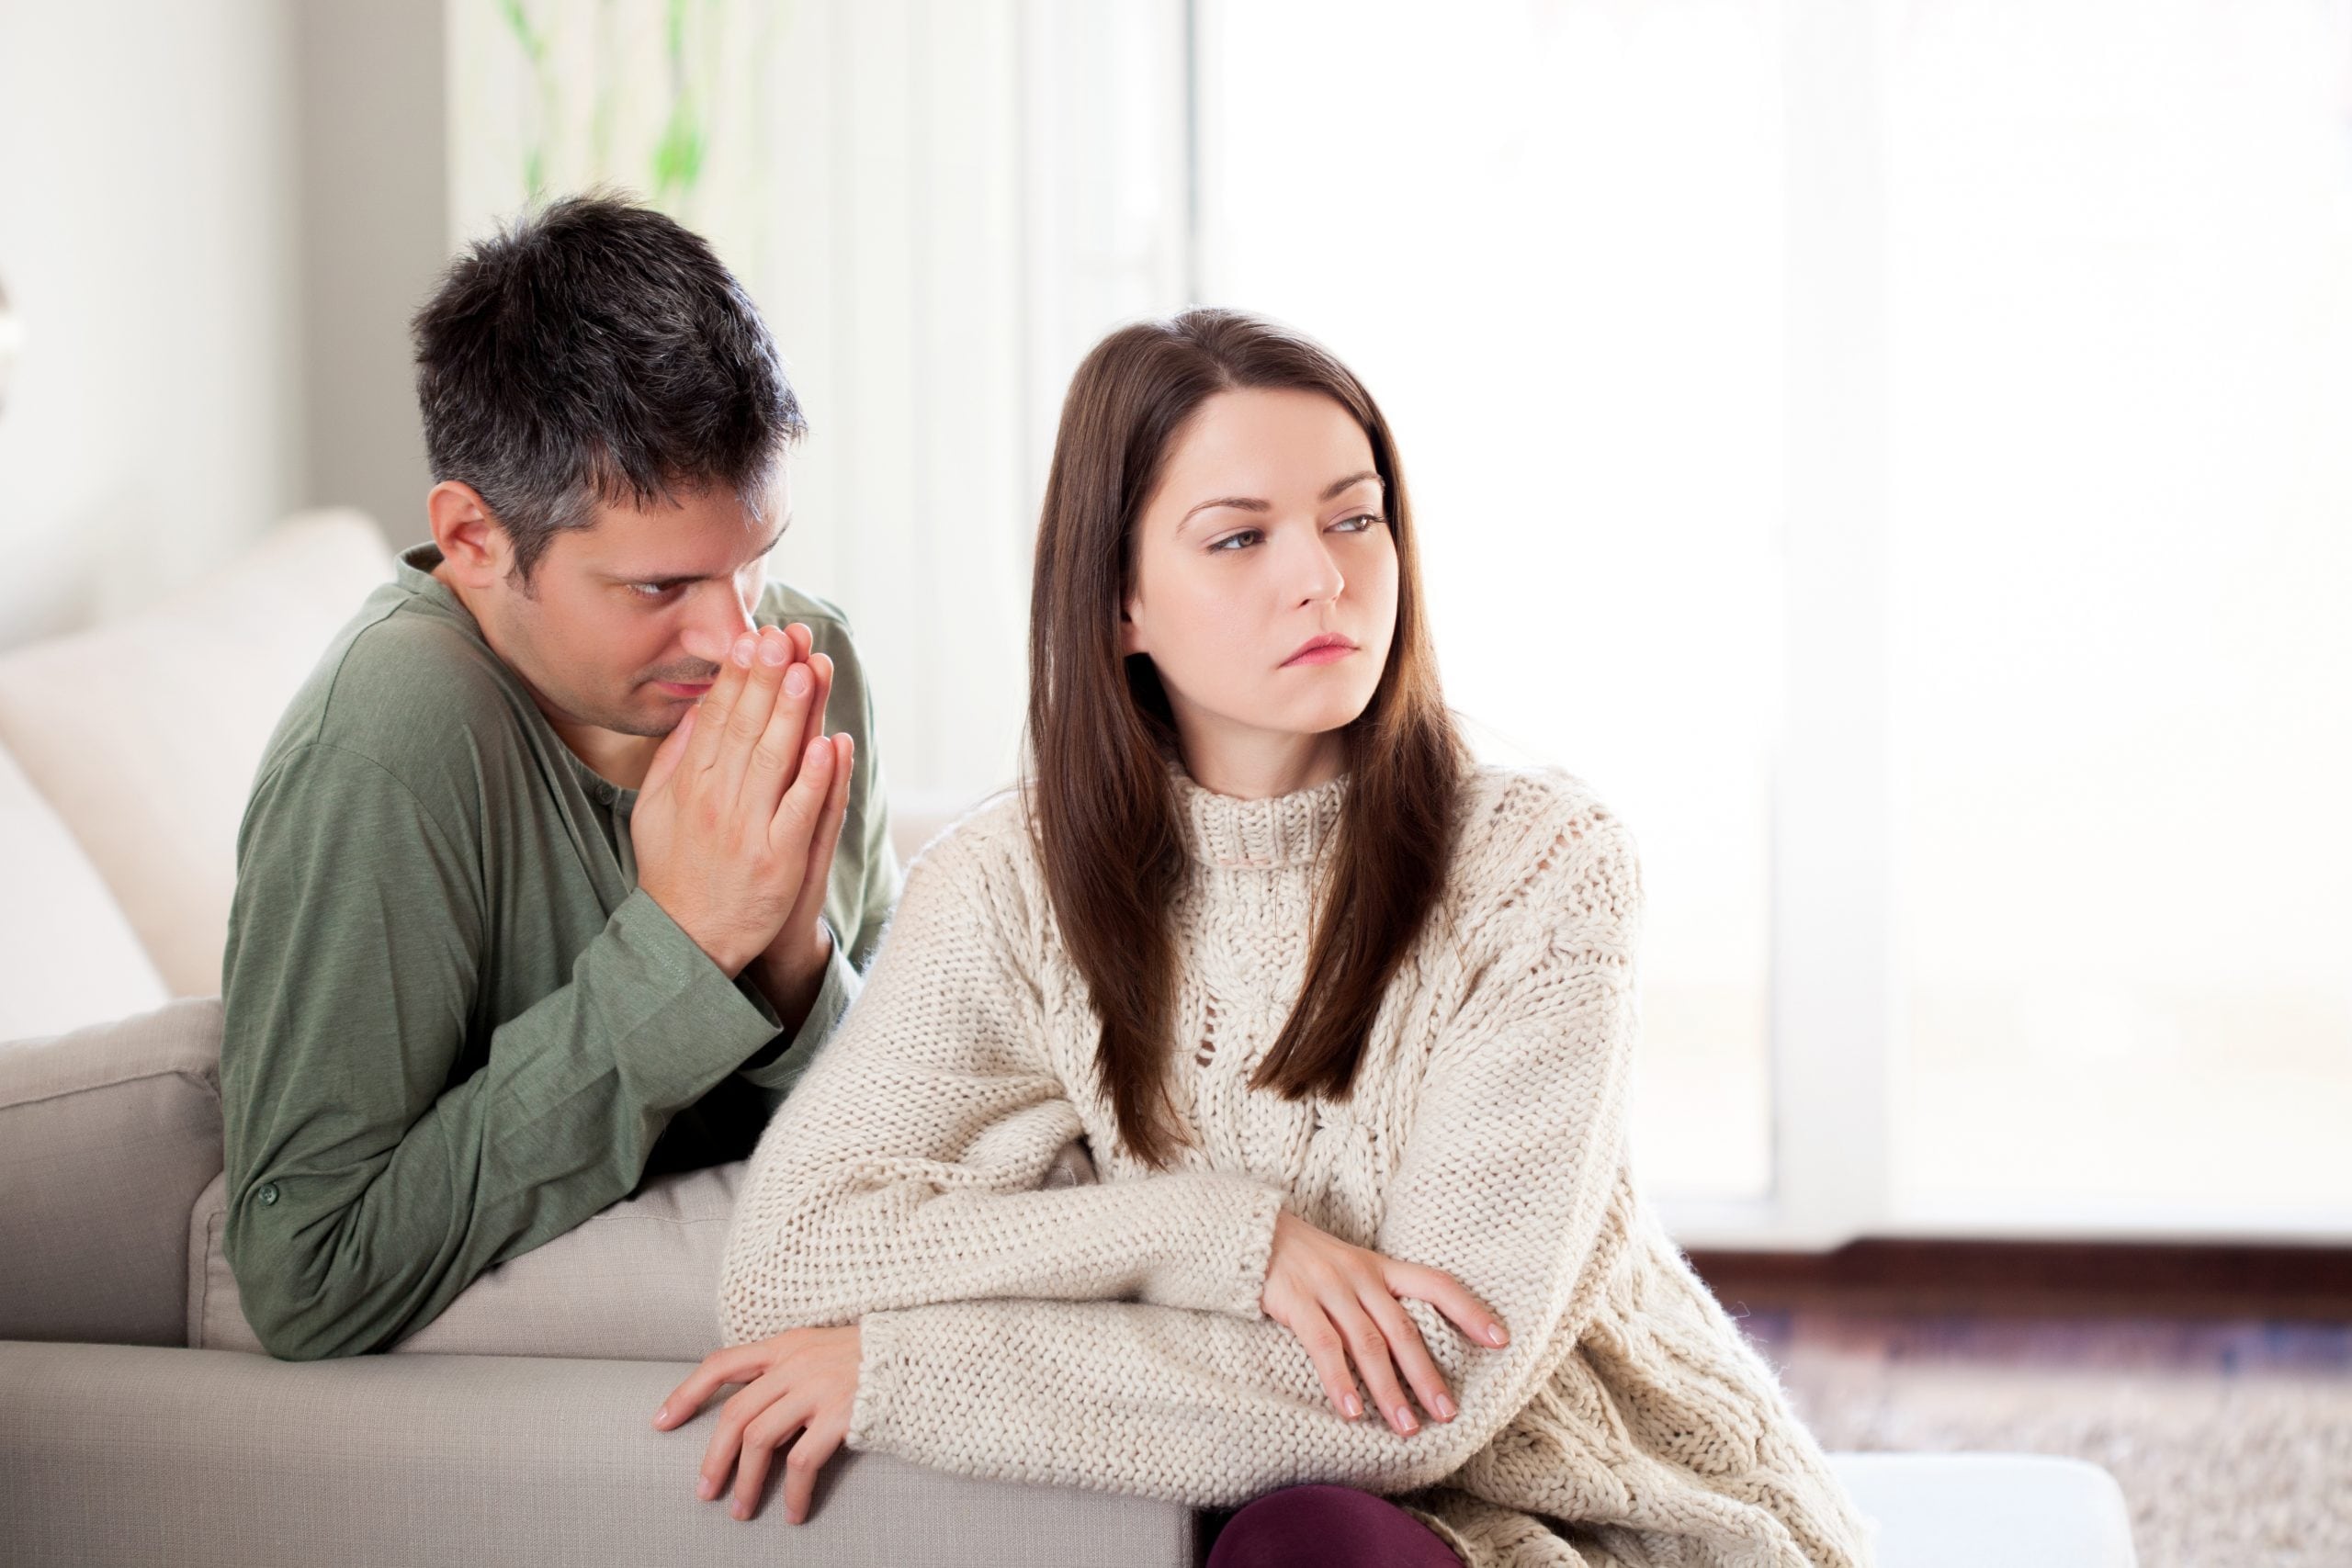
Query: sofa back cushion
(143, 734)
(107, 1135)
(72, 957)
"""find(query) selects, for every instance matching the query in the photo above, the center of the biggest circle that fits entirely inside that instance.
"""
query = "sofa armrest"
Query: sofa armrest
(118, 1454)
(107, 1136)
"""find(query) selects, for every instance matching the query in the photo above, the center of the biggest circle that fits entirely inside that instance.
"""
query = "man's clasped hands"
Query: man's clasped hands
(740, 812)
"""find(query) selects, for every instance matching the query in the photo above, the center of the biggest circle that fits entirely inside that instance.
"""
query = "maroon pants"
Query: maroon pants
(1327, 1527)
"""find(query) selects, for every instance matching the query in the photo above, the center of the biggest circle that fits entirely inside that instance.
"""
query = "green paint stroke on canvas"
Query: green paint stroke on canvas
(536, 54)
(688, 72)
(677, 159)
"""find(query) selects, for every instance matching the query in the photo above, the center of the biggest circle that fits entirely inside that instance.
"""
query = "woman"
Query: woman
(1347, 1023)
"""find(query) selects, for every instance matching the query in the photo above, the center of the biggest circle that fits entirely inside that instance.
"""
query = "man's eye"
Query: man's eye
(652, 593)
(1249, 535)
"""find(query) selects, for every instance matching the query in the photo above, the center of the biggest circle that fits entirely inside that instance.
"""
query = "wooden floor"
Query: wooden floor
(2214, 1385)
(2172, 1347)
(2046, 1278)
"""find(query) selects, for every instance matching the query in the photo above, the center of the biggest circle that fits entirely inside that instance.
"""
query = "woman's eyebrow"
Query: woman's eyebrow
(1252, 504)
(1338, 485)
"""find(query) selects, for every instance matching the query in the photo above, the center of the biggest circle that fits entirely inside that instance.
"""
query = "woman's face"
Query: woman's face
(1268, 532)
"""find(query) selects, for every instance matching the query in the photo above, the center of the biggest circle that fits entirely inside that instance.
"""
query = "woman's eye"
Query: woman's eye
(1246, 535)
(1359, 522)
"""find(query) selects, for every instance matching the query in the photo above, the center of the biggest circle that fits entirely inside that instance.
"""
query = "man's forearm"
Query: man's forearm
(791, 979)
(776, 1070)
(352, 1226)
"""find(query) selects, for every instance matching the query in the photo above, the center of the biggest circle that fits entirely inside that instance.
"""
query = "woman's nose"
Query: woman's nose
(1318, 576)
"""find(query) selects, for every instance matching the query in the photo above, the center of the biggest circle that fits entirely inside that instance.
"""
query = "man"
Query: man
(550, 879)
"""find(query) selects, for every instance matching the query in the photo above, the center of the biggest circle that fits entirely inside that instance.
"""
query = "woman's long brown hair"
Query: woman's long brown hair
(1101, 803)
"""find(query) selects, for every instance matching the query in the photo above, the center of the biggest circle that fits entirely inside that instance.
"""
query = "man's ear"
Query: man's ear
(472, 542)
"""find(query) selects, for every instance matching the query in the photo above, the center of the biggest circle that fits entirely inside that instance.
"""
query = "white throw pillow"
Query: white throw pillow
(917, 817)
(72, 958)
(143, 733)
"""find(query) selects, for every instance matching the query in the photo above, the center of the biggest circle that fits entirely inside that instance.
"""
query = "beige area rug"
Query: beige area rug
(2244, 1463)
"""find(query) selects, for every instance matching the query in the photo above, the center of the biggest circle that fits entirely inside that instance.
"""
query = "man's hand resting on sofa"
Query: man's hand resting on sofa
(737, 820)
(803, 1381)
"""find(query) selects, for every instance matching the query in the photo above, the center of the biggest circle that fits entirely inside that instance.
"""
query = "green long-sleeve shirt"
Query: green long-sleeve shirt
(455, 1026)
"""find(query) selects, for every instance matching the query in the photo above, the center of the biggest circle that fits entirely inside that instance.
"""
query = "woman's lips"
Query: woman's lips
(1329, 653)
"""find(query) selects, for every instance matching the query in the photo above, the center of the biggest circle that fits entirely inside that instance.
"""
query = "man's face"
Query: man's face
(625, 622)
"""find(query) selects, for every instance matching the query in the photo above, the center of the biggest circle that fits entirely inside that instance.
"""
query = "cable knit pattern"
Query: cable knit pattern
(1109, 1335)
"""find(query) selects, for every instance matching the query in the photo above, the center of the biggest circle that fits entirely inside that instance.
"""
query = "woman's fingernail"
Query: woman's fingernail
(1405, 1422)
(1355, 1406)
(1495, 1335)
(705, 1490)
(661, 1416)
(1445, 1408)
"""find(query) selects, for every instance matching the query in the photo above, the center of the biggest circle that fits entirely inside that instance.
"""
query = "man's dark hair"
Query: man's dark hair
(596, 352)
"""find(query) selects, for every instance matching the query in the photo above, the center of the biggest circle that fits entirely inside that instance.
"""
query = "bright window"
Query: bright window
(2122, 267)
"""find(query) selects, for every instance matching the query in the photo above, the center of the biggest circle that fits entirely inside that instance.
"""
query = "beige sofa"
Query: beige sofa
(140, 1423)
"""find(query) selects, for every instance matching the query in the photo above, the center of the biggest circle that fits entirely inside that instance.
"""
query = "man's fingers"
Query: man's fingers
(1450, 1296)
(818, 1442)
(1412, 1355)
(812, 728)
(775, 757)
(717, 703)
(666, 756)
(821, 666)
(819, 875)
(718, 1369)
(794, 824)
(803, 641)
(748, 719)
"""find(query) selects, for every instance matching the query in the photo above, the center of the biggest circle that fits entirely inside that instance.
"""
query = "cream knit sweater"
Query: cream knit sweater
(1108, 1335)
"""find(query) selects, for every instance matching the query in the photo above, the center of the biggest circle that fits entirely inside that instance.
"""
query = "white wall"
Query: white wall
(373, 198)
(147, 238)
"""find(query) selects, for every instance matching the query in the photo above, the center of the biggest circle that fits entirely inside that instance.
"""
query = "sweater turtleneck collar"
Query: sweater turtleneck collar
(1282, 830)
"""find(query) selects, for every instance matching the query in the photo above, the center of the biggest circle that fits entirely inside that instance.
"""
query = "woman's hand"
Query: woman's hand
(1342, 1299)
(804, 1380)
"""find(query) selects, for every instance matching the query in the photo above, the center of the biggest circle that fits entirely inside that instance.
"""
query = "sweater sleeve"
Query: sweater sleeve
(1507, 1182)
(904, 1169)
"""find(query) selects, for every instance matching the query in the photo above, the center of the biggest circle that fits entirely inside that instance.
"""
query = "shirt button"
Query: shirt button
(268, 1193)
